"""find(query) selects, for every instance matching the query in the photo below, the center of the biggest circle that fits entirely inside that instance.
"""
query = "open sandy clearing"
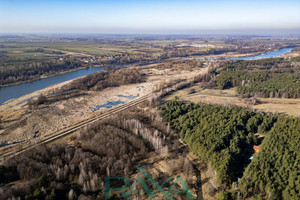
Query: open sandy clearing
(230, 97)
(19, 123)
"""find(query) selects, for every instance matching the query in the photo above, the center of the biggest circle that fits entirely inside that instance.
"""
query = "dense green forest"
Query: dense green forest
(274, 172)
(224, 137)
(272, 77)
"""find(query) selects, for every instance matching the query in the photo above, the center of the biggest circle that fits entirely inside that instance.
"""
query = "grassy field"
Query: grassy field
(20, 49)
(230, 97)
(53, 45)
(29, 57)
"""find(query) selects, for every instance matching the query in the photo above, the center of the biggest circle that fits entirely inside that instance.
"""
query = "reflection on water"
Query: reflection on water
(129, 97)
(108, 105)
(269, 54)
(16, 91)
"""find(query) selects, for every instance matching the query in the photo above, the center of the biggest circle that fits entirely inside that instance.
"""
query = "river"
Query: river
(16, 91)
(269, 54)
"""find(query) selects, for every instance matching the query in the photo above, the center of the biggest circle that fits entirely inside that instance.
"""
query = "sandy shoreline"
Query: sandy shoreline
(15, 103)
(19, 123)
(47, 76)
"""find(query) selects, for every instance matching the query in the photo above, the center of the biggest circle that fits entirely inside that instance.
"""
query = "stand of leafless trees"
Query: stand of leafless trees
(96, 81)
(111, 147)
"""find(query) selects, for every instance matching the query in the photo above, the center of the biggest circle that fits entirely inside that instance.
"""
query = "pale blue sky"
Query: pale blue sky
(149, 16)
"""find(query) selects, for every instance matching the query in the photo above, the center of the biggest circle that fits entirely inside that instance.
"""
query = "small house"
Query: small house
(256, 148)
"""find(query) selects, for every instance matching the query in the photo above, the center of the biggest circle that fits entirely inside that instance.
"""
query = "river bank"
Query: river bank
(247, 56)
(16, 91)
(19, 123)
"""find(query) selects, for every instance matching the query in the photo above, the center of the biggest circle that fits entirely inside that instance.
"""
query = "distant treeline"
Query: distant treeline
(107, 78)
(27, 68)
(96, 81)
(273, 77)
(38, 50)
(12, 73)
(224, 137)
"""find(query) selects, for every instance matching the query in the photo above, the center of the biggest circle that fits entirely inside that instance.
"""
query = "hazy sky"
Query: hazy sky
(149, 16)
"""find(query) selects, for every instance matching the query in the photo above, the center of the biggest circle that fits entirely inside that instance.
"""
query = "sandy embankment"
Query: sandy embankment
(16, 103)
(223, 55)
(235, 55)
(19, 123)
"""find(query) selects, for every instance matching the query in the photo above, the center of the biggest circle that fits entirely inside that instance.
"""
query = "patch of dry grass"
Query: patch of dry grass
(277, 105)
(11, 114)
(230, 97)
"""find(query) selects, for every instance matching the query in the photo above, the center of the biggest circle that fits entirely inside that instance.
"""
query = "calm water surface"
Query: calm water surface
(269, 54)
(16, 91)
